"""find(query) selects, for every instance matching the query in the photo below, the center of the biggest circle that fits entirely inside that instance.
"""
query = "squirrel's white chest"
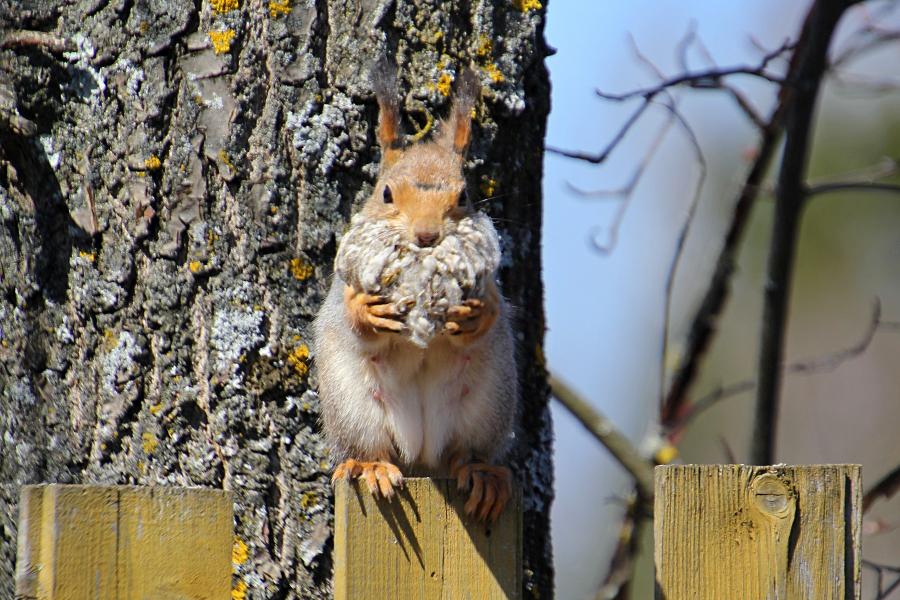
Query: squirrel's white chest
(425, 399)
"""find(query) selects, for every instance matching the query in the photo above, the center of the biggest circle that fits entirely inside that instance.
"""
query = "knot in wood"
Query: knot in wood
(771, 495)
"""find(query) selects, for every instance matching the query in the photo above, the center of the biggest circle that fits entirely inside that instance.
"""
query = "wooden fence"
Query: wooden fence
(722, 532)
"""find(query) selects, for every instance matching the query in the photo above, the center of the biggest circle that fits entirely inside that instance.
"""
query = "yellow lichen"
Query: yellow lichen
(110, 340)
(88, 256)
(221, 40)
(539, 355)
(194, 266)
(308, 500)
(488, 186)
(149, 442)
(526, 5)
(221, 6)
(494, 73)
(239, 552)
(279, 8)
(152, 163)
(429, 123)
(444, 84)
(485, 47)
(239, 591)
(142, 466)
(300, 269)
(298, 358)
(156, 408)
(223, 157)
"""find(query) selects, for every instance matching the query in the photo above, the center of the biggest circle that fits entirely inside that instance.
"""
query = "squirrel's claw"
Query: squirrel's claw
(464, 318)
(374, 312)
(381, 477)
(490, 489)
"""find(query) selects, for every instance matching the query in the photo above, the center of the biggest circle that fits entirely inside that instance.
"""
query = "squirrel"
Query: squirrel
(389, 405)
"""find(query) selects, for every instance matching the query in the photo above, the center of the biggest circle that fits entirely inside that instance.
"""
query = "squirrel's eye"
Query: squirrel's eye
(463, 198)
(388, 195)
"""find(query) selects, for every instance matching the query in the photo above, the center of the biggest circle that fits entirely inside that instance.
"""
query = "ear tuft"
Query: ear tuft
(458, 127)
(384, 84)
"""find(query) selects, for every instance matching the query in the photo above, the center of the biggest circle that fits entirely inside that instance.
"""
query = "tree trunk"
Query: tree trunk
(173, 175)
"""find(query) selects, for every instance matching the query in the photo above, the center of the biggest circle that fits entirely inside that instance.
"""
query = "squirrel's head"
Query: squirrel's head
(421, 187)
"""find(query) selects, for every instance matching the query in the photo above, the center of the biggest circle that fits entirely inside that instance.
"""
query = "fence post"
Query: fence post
(130, 543)
(421, 545)
(755, 533)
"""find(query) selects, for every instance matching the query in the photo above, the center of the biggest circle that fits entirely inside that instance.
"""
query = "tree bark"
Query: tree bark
(173, 178)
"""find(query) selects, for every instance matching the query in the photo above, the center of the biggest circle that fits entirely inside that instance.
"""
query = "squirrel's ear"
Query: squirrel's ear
(384, 84)
(457, 129)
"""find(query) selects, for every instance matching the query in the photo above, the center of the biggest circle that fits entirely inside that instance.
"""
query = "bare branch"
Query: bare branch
(607, 434)
(884, 488)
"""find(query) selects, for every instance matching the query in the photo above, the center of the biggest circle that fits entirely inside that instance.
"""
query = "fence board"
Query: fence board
(421, 545)
(755, 533)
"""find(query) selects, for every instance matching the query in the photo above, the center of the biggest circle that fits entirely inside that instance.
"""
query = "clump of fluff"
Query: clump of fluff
(375, 257)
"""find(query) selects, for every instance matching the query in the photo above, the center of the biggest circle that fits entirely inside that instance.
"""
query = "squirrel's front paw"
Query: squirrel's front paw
(374, 313)
(380, 476)
(465, 318)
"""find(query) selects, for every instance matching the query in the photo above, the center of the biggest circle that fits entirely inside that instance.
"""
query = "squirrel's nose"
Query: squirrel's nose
(424, 239)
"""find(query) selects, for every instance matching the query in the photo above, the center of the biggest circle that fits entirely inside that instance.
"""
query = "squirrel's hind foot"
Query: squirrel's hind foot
(380, 476)
(490, 487)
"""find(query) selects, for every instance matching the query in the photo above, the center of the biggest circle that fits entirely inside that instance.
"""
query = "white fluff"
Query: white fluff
(375, 257)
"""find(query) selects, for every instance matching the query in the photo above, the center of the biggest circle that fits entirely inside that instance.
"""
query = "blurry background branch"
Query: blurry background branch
(640, 468)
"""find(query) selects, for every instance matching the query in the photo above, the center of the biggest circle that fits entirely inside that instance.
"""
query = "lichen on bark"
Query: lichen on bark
(170, 206)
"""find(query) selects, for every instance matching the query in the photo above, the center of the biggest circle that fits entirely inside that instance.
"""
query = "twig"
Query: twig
(24, 38)
(830, 362)
(621, 570)
(601, 156)
(606, 433)
(703, 323)
(706, 79)
(882, 591)
(811, 62)
(818, 364)
(679, 249)
(852, 186)
(884, 488)
(624, 194)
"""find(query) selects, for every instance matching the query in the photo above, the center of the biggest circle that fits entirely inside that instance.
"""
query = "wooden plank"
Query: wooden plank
(78, 542)
(174, 543)
(124, 543)
(421, 545)
(757, 533)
